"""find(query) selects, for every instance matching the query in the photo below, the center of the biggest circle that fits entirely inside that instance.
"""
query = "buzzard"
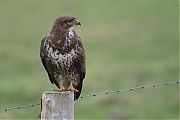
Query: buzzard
(63, 56)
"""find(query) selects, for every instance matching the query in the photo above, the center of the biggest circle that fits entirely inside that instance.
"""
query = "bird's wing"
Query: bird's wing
(82, 65)
(45, 62)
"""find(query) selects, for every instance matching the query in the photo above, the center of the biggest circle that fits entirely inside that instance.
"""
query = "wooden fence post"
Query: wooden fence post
(57, 105)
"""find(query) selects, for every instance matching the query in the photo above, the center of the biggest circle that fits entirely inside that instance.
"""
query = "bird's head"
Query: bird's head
(66, 23)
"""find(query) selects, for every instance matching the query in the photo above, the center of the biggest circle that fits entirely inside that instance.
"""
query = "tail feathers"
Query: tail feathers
(77, 94)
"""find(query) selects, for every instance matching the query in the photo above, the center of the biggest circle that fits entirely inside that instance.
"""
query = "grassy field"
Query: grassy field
(128, 43)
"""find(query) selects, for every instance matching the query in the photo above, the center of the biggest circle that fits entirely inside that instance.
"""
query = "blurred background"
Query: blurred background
(128, 43)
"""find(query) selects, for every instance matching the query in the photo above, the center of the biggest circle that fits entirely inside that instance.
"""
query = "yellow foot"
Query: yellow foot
(62, 88)
(72, 88)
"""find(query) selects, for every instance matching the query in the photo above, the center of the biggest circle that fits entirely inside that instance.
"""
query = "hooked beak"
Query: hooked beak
(78, 23)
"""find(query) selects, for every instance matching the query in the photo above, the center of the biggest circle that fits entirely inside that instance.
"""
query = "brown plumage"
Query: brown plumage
(63, 55)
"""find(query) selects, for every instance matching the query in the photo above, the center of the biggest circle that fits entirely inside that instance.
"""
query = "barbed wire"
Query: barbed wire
(98, 94)
(129, 89)
(19, 107)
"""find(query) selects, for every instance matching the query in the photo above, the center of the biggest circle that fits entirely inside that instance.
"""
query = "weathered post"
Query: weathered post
(57, 105)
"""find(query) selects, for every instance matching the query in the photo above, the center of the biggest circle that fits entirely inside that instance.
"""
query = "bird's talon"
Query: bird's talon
(72, 88)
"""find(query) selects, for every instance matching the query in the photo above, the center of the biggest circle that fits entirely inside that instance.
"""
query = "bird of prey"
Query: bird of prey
(63, 56)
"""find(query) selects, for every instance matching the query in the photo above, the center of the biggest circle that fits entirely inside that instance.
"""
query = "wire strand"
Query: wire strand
(129, 89)
(19, 107)
(98, 94)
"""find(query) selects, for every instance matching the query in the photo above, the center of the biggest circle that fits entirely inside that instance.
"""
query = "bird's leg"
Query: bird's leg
(62, 88)
(72, 88)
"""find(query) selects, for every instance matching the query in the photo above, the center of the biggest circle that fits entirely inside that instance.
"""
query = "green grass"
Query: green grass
(128, 43)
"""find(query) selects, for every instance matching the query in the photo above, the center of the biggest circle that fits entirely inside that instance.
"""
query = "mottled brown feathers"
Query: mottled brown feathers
(63, 55)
